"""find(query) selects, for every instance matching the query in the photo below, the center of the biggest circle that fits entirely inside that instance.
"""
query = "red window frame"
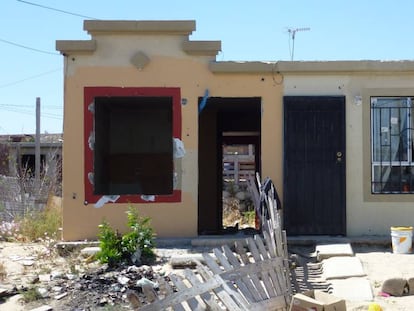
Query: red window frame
(89, 96)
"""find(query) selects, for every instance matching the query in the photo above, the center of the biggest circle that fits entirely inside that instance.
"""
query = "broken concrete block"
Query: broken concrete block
(60, 296)
(410, 282)
(43, 308)
(185, 260)
(89, 251)
(394, 286)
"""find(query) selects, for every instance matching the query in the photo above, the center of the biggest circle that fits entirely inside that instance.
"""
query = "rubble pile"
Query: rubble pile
(105, 286)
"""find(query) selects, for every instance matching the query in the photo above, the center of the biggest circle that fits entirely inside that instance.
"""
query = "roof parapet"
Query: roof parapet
(78, 46)
(148, 27)
(305, 67)
(209, 48)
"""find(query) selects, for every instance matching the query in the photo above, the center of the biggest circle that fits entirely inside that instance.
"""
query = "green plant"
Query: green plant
(110, 244)
(31, 294)
(249, 217)
(141, 235)
(116, 248)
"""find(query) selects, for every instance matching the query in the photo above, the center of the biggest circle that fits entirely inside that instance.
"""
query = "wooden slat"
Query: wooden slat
(192, 302)
(241, 252)
(270, 243)
(209, 299)
(263, 276)
(244, 282)
(226, 294)
(275, 278)
(179, 297)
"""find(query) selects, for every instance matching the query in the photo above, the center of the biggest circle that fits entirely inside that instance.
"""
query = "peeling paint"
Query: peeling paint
(179, 150)
(91, 177)
(148, 198)
(91, 140)
(105, 199)
(91, 107)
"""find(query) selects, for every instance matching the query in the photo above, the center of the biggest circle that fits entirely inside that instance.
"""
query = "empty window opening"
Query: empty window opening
(133, 152)
(28, 165)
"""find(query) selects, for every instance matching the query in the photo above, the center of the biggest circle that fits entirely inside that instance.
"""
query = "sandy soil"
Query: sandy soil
(21, 262)
(381, 264)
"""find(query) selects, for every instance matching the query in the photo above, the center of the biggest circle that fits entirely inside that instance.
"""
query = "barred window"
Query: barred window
(392, 145)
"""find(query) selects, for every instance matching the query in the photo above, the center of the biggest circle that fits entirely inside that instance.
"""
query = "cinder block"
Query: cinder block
(394, 286)
(410, 282)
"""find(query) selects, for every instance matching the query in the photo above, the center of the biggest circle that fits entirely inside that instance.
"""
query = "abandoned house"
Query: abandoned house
(150, 117)
(18, 191)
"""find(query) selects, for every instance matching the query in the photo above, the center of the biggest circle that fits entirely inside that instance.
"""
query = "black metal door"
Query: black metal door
(314, 165)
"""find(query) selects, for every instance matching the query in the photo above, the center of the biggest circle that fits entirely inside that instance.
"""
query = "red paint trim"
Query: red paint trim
(89, 95)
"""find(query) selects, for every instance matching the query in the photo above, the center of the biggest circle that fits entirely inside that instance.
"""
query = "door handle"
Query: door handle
(338, 157)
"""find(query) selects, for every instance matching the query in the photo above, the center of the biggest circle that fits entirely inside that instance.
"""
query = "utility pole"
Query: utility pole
(37, 148)
(292, 33)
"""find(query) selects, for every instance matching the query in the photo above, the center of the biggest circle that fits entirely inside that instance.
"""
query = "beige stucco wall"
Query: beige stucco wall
(174, 61)
(169, 66)
(366, 213)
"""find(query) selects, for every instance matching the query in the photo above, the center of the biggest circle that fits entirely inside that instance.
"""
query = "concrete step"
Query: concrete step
(324, 251)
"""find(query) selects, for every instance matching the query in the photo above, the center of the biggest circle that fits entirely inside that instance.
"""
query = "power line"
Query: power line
(29, 78)
(31, 113)
(47, 107)
(27, 47)
(57, 10)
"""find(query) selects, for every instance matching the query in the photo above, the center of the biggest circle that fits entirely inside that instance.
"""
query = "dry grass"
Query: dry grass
(3, 272)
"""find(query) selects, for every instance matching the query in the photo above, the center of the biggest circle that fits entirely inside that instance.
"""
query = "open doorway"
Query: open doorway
(239, 166)
(229, 150)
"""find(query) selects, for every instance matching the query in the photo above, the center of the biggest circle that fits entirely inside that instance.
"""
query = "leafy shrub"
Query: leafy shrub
(110, 244)
(133, 247)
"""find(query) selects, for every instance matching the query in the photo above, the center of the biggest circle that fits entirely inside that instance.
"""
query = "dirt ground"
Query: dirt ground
(381, 264)
(20, 263)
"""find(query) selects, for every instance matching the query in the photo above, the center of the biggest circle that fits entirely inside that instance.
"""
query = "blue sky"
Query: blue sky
(249, 30)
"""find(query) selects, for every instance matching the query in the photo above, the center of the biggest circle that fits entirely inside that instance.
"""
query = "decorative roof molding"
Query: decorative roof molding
(143, 27)
(140, 60)
(78, 46)
(210, 48)
(305, 67)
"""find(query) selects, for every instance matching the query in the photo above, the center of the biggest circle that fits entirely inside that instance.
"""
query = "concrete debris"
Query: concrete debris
(43, 308)
(410, 282)
(144, 282)
(60, 296)
(395, 287)
(89, 251)
(27, 263)
(100, 287)
(43, 292)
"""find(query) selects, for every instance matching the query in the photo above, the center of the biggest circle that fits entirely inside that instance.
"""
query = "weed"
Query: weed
(116, 248)
(249, 217)
(42, 225)
(30, 295)
(9, 231)
(110, 243)
(3, 272)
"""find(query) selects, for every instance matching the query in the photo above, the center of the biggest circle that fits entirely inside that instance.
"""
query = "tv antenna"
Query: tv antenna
(292, 34)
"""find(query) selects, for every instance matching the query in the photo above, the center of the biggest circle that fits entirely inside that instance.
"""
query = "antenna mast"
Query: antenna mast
(292, 33)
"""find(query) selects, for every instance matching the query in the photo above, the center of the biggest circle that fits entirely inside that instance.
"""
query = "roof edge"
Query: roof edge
(210, 48)
(79, 46)
(312, 66)
(178, 27)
